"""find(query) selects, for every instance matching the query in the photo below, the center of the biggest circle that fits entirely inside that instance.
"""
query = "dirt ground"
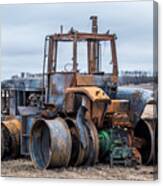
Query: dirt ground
(24, 168)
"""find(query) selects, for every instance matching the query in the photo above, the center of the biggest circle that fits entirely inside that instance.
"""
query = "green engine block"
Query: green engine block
(114, 146)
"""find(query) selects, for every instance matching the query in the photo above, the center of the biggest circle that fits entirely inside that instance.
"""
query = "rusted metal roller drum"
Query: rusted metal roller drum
(5, 141)
(145, 131)
(83, 155)
(10, 138)
(50, 143)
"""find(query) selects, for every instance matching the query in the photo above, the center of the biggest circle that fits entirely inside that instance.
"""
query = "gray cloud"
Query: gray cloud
(23, 28)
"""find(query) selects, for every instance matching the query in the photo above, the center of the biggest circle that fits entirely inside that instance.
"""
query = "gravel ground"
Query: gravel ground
(24, 168)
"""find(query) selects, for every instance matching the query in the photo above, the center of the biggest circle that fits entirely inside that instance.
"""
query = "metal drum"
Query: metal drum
(50, 143)
(10, 138)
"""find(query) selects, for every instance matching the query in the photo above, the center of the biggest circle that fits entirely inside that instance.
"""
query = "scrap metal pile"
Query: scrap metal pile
(69, 118)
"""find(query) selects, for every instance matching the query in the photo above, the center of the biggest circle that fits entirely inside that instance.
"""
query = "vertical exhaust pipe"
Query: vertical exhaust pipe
(93, 48)
(94, 24)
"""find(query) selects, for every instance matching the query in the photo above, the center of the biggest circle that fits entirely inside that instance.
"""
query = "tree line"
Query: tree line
(135, 77)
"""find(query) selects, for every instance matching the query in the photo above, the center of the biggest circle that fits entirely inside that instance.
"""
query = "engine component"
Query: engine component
(114, 147)
(127, 156)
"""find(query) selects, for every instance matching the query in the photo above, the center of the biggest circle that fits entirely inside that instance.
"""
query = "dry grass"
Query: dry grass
(24, 168)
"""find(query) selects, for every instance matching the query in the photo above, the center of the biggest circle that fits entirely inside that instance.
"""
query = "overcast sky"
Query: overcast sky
(23, 29)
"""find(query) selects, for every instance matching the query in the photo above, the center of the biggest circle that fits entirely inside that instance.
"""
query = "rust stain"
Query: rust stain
(93, 92)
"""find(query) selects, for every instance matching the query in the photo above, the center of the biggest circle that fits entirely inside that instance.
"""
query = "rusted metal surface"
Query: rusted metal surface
(21, 92)
(141, 102)
(75, 53)
(50, 112)
(75, 136)
(94, 24)
(61, 80)
(114, 61)
(50, 143)
(137, 155)
(94, 93)
(28, 110)
(86, 80)
(81, 36)
(93, 49)
(121, 119)
(28, 116)
(118, 106)
(96, 101)
(138, 99)
(27, 123)
(50, 56)
(145, 130)
(138, 142)
(98, 110)
(94, 143)
(5, 142)
(85, 143)
(11, 138)
(93, 59)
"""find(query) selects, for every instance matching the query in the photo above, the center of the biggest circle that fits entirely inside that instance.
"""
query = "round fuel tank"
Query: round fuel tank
(50, 143)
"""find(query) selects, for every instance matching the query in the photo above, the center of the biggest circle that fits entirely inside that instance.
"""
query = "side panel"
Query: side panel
(138, 98)
(58, 83)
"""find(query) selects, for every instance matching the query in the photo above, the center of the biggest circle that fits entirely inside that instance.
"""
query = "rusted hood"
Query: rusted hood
(94, 93)
(138, 99)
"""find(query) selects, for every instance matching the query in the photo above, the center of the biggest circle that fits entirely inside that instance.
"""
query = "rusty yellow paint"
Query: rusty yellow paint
(93, 93)
(118, 106)
(86, 80)
(13, 126)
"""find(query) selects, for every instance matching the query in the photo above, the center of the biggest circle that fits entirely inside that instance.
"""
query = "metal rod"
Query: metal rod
(44, 65)
(75, 54)
(114, 58)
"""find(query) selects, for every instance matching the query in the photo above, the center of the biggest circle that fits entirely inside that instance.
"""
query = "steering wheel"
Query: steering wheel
(68, 67)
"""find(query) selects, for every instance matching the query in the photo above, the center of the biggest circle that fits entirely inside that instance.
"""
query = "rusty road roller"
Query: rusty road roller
(68, 117)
